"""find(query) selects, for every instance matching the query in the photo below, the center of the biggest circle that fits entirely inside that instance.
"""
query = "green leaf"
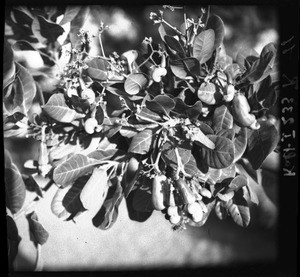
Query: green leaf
(45, 30)
(174, 44)
(169, 155)
(199, 137)
(162, 32)
(222, 155)
(22, 15)
(204, 45)
(142, 142)
(266, 95)
(191, 111)
(133, 213)
(226, 133)
(185, 67)
(209, 94)
(260, 69)
(146, 114)
(57, 108)
(261, 143)
(14, 188)
(213, 175)
(38, 234)
(27, 85)
(8, 65)
(135, 83)
(73, 168)
(142, 200)
(13, 240)
(216, 23)
(228, 172)
(191, 167)
(69, 14)
(240, 143)
(32, 185)
(161, 104)
(222, 118)
(97, 69)
(220, 210)
(71, 201)
(239, 210)
(108, 213)
(246, 56)
(250, 194)
(237, 183)
(95, 190)
(108, 154)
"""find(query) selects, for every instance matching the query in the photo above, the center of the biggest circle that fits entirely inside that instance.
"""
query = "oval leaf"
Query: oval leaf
(57, 108)
(71, 201)
(57, 206)
(108, 213)
(45, 30)
(240, 143)
(38, 233)
(135, 83)
(142, 142)
(185, 67)
(237, 183)
(239, 210)
(204, 45)
(95, 190)
(191, 111)
(133, 213)
(261, 143)
(161, 104)
(14, 188)
(8, 65)
(216, 23)
(13, 240)
(28, 85)
(76, 166)
(200, 137)
(169, 154)
(222, 155)
(174, 44)
(97, 69)
(222, 118)
(69, 14)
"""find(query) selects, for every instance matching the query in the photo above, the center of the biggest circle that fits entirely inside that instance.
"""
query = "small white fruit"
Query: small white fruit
(158, 73)
(90, 125)
(72, 91)
(88, 94)
(175, 219)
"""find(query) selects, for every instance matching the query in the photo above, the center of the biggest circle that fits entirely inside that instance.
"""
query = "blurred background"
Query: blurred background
(153, 244)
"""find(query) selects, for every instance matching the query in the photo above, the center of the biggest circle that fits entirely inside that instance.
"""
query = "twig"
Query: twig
(173, 28)
(38, 264)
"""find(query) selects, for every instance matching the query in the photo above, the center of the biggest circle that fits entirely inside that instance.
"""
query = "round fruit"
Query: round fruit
(175, 219)
(172, 211)
(90, 125)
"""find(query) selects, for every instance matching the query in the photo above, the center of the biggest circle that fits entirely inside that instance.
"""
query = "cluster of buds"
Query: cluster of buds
(156, 18)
